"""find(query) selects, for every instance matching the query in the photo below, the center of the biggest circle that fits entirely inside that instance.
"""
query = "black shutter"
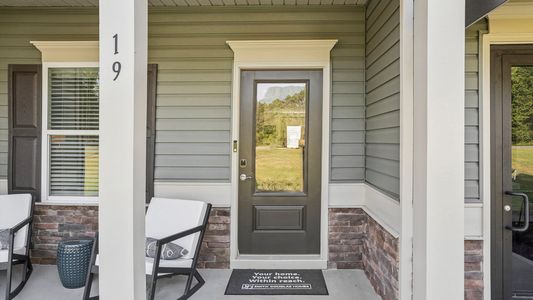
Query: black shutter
(24, 158)
(150, 131)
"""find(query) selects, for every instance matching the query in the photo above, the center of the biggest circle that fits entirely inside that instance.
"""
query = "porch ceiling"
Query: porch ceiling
(183, 3)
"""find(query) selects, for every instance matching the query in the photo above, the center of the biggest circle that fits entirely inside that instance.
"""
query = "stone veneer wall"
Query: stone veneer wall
(473, 270)
(53, 223)
(346, 237)
(215, 248)
(381, 260)
(357, 241)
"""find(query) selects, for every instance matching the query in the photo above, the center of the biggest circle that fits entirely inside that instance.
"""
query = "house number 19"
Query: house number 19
(116, 65)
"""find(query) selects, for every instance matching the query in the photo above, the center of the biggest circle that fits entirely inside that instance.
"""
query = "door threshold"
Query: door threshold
(299, 261)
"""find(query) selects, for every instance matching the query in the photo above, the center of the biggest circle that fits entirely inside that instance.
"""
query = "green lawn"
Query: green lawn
(279, 169)
(523, 160)
(523, 169)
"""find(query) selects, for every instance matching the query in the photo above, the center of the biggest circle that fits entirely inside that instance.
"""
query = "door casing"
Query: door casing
(282, 55)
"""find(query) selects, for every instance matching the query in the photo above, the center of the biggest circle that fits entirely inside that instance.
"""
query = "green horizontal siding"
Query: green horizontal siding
(382, 120)
(472, 61)
(195, 71)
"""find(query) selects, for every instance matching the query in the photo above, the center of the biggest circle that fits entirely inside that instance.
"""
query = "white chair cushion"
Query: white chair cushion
(13, 210)
(4, 254)
(175, 263)
(170, 216)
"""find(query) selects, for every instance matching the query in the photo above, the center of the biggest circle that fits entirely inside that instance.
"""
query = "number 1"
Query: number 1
(115, 37)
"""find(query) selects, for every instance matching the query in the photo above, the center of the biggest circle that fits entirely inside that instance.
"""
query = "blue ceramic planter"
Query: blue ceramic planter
(73, 258)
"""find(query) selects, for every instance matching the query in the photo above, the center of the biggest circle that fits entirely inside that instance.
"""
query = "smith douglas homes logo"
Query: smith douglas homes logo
(276, 280)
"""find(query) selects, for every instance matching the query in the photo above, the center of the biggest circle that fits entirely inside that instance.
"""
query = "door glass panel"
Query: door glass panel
(280, 137)
(522, 178)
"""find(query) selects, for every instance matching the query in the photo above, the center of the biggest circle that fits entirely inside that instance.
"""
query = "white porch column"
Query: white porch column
(438, 190)
(123, 67)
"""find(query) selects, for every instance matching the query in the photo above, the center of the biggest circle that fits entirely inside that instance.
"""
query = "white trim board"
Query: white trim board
(279, 55)
(382, 208)
(406, 148)
(347, 195)
(3, 187)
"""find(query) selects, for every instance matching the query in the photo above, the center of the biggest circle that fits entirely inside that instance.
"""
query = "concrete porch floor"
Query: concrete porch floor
(44, 284)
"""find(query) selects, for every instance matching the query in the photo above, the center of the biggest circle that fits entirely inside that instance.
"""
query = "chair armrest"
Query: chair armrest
(19, 226)
(170, 238)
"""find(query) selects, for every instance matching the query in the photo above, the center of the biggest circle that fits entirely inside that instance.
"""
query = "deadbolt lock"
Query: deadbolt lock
(242, 163)
(507, 207)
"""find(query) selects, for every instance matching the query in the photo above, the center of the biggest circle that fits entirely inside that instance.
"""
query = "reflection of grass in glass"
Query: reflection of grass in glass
(523, 171)
(279, 169)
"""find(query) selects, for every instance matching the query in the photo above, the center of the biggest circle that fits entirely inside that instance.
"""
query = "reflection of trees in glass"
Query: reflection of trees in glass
(273, 119)
(522, 103)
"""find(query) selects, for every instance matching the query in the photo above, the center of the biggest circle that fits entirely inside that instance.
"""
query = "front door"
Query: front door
(280, 162)
(512, 171)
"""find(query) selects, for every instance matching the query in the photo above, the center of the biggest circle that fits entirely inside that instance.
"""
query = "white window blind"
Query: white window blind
(72, 131)
(73, 165)
(73, 99)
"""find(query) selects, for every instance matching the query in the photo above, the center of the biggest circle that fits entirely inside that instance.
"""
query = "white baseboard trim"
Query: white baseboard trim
(381, 207)
(473, 221)
(347, 195)
(3, 186)
(278, 262)
(218, 194)
(384, 209)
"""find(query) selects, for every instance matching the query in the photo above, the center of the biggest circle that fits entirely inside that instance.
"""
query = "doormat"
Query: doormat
(276, 282)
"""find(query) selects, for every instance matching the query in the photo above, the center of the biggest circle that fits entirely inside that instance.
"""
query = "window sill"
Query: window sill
(70, 201)
(48, 203)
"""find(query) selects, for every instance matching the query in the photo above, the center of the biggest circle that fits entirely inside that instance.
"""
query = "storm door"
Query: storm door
(512, 172)
(280, 162)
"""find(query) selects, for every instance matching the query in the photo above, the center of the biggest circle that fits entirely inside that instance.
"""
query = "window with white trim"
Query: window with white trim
(70, 131)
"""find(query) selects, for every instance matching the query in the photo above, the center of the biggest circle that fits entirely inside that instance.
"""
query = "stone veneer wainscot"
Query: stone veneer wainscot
(474, 270)
(55, 222)
(356, 241)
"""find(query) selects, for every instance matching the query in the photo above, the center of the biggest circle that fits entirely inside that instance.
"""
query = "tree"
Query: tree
(273, 119)
(522, 105)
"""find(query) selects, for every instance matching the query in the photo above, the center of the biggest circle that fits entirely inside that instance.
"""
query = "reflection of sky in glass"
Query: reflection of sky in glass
(262, 88)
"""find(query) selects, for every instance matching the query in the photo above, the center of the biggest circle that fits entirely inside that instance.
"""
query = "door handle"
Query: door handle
(244, 177)
(525, 200)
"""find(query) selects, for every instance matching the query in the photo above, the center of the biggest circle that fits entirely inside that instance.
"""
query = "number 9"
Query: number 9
(116, 68)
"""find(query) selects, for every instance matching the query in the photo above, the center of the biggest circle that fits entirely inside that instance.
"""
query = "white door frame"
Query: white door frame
(509, 24)
(281, 54)
(485, 156)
